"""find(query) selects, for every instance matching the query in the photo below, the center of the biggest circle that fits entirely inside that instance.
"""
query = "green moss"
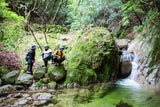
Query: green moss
(24, 68)
(89, 54)
(45, 80)
(39, 84)
(3, 70)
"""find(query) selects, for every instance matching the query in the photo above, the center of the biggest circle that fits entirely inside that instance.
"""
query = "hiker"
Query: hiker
(30, 58)
(59, 56)
(46, 55)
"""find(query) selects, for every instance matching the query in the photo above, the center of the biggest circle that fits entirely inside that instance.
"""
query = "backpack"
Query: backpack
(58, 52)
(27, 57)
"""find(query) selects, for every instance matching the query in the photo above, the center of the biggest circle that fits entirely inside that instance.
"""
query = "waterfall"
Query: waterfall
(129, 56)
(130, 80)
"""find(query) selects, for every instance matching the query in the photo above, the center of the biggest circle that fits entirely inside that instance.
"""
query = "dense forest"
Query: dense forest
(107, 46)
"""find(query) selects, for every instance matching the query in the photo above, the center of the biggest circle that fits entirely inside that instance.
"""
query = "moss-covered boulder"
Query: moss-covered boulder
(52, 84)
(7, 88)
(24, 79)
(3, 70)
(92, 57)
(39, 74)
(11, 77)
(56, 73)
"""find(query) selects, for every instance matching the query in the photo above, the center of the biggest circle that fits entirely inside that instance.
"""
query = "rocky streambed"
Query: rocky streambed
(123, 93)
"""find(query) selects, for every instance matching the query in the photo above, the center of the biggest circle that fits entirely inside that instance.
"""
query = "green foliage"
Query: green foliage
(36, 26)
(129, 9)
(12, 26)
(88, 13)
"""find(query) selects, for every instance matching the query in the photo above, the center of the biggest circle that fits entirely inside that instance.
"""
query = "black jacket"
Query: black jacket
(31, 56)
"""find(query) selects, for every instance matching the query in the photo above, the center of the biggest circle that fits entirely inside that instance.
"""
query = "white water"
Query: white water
(130, 80)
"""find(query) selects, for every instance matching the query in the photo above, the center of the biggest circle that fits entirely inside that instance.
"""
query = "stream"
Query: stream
(122, 93)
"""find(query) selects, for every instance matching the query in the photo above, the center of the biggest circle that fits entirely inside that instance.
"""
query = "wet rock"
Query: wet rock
(9, 95)
(56, 73)
(126, 67)
(122, 104)
(25, 95)
(51, 105)
(52, 85)
(25, 79)
(122, 43)
(19, 95)
(3, 70)
(39, 74)
(39, 103)
(75, 85)
(84, 95)
(42, 96)
(33, 86)
(60, 86)
(0, 82)
(7, 88)
(23, 102)
(11, 77)
(69, 85)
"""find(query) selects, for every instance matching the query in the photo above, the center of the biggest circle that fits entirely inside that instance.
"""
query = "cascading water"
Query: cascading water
(130, 80)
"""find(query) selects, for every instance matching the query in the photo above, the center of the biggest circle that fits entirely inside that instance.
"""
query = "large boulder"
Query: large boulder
(126, 67)
(3, 70)
(56, 73)
(25, 79)
(39, 74)
(122, 43)
(41, 98)
(7, 88)
(11, 77)
(92, 57)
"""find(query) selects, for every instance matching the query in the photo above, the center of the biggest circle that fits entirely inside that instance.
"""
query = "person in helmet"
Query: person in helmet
(46, 55)
(59, 56)
(30, 58)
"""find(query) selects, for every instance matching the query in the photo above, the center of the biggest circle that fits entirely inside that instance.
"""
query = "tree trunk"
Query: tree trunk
(78, 5)
(35, 38)
(57, 11)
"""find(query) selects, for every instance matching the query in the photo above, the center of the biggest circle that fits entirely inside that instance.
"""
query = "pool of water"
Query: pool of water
(125, 91)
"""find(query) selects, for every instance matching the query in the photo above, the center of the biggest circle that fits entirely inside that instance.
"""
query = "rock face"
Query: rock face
(147, 57)
(11, 77)
(56, 73)
(39, 74)
(126, 67)
(92, 57)
(122, 43)
(3, 70)
(24, 79)
(7, 88)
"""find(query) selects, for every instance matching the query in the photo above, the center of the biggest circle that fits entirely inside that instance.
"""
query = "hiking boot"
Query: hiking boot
(28, 72)
(55, 64)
